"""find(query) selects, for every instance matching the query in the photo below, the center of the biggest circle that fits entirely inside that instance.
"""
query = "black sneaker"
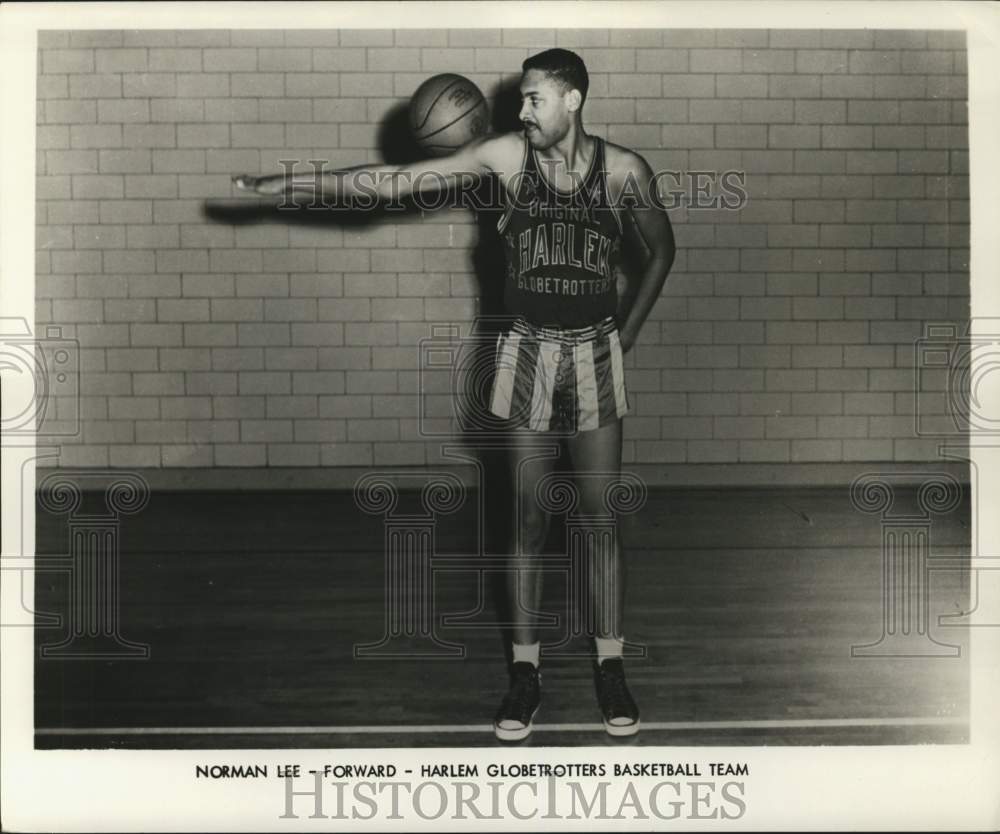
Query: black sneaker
(513, 719)
(621, 715)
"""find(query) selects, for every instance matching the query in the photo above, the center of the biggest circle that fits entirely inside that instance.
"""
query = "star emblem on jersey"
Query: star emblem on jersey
(530, 189)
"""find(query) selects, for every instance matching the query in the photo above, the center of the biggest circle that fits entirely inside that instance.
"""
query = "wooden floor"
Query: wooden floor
(747, 601)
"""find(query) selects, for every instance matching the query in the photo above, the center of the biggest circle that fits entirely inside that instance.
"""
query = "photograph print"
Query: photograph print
(500, 387)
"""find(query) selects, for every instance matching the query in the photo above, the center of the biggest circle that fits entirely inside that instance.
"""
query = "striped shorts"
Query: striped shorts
(563, 380)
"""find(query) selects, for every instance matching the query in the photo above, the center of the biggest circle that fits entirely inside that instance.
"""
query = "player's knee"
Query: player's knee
(533, 526)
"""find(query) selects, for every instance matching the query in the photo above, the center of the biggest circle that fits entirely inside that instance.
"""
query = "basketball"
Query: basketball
(447, 111)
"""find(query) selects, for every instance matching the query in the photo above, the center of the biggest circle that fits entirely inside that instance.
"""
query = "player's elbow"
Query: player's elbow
(667, 254)
(659, 261)
(659, 255)
(408, 181)
(665, 249)
(390, 186)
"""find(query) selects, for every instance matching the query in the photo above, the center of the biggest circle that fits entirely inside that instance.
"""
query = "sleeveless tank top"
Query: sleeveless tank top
(561, 247)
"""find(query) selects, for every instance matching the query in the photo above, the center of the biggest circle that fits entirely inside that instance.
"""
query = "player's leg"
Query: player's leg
(531, 458)
(522, 393)
(596, 458)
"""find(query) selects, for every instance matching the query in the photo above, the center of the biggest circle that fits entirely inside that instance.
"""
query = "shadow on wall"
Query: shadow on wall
(397, 147)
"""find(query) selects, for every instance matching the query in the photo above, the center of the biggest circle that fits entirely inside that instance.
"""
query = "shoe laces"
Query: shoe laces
(613, 686)
(523, 678)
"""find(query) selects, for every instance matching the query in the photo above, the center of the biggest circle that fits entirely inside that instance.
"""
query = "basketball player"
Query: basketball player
(559, 369)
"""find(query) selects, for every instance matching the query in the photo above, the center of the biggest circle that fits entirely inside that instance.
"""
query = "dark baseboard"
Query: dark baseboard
(654, 475)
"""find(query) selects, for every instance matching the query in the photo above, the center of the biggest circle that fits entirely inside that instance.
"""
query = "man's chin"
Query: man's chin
(536, 139)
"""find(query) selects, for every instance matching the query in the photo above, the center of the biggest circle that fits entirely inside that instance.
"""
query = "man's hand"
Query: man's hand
(245, 182)
(258, 185)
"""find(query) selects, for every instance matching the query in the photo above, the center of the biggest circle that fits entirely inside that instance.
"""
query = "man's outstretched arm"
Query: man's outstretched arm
(461, 169)
(657, 237)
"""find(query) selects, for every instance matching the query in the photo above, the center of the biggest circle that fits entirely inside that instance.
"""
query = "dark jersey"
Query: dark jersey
(561, 247)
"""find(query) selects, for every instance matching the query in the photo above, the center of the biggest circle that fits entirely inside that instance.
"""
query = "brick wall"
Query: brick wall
(785, 332)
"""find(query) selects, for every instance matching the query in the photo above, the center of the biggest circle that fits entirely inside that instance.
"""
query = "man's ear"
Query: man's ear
(574, 101)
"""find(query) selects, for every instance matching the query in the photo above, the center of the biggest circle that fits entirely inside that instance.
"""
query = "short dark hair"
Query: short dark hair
(565, 66)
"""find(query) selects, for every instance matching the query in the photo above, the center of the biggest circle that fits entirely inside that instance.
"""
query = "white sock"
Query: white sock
(527, 653)
(609, 648)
